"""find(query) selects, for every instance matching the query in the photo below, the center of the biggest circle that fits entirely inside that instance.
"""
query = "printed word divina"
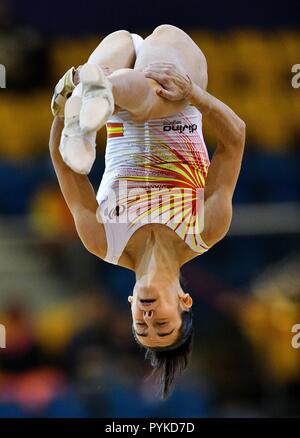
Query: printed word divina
(123, 428)
(181, 128)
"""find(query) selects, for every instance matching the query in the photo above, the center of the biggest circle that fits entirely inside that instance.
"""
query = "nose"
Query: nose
(148, 314)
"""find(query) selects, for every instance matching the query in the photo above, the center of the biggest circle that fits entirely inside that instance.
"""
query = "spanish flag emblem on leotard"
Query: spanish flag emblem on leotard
(115, 130)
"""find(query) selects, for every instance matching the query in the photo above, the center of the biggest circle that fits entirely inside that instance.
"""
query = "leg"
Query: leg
(171, 44)
(116, 51)
(133, 92)
(130, 89)
(137, 94)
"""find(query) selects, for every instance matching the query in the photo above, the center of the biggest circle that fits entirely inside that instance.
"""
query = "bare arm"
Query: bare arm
(79, 196)
(230, 132)
(226, 162)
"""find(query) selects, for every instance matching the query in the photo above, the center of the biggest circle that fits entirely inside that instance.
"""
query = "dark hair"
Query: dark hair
(169, 362)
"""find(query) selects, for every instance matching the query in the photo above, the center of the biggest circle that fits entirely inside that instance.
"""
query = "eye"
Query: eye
(140, 323)
(161, 323)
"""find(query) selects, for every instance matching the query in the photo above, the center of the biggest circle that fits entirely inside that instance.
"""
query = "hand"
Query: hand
(176, 85)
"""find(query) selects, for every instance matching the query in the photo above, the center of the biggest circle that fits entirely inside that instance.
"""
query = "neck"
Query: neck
(158, 261)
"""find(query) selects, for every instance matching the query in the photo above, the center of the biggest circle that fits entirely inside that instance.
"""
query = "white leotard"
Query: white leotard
(155, 173)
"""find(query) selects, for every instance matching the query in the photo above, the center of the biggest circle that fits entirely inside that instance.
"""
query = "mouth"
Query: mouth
(148, 301)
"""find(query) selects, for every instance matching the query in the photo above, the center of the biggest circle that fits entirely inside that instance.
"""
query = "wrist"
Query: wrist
(189, 89)
(200, 99)
(193, 93)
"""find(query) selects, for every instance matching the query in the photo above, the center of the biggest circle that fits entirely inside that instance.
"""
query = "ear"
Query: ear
(130, 298)
(186, 301)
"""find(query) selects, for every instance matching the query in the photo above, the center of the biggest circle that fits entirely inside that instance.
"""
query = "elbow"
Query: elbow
(90, 247)
(90, 243)
(87, 240)
(242, 131)
(85, 235)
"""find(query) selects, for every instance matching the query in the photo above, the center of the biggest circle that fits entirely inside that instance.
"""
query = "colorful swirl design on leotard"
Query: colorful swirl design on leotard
(167, 174)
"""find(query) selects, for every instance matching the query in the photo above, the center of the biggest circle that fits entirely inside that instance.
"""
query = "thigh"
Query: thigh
(170, 44)
(115, 51)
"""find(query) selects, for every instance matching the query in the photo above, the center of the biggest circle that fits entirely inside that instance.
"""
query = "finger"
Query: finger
(157, 70)
(166, 73)
(165, 94)
(160, 64)
(160, 67)
(158, 77)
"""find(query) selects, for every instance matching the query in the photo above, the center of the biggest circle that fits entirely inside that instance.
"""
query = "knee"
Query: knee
(166, 28)
(120, 35)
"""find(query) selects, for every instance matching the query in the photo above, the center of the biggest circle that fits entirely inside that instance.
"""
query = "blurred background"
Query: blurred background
(69, 351)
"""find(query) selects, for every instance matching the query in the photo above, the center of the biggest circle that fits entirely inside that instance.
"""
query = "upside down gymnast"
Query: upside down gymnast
(161, 202)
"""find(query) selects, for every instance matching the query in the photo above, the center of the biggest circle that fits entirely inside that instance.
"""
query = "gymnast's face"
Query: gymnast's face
(156, 313)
